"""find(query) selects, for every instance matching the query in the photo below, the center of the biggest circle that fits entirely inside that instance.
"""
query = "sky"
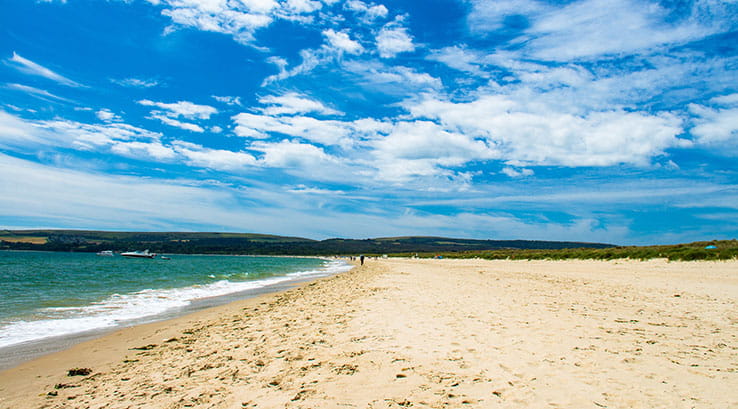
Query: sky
(609, 121)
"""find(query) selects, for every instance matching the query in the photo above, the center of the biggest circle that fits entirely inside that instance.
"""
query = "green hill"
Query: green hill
(246, 243)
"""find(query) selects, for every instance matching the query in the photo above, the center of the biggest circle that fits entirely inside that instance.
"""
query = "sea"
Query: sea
(49, 300)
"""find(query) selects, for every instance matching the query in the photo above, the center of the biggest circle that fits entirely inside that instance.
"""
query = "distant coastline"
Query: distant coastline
(209, 243)
(260, 244)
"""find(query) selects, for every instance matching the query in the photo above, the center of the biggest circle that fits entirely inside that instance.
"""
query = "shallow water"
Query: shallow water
(45, 295)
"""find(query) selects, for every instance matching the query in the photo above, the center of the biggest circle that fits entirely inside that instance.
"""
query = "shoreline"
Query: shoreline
(426, 333)
(17, 354)
(105, 349)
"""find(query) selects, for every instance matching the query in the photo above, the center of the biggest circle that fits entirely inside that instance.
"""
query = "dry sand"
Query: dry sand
(432, 333)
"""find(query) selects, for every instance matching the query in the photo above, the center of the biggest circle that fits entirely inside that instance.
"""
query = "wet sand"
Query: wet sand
(426, 333)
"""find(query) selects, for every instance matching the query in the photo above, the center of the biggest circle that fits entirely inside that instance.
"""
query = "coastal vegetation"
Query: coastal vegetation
(246, 243)
(424, 247)
(702, 250)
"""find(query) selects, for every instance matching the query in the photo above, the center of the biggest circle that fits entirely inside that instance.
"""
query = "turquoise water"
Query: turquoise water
(45, 294)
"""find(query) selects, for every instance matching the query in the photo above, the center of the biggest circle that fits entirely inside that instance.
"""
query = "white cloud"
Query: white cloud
(341, 41)
(228, 100)
(290, 154)
(515, 173)
(716, 127)
(178, 124)
(294, 103)
(185, 109)
(327, 132)
(135, 82)
(182, 108)
(260, 6)
(730, 99)
(423, 149)
(533, 133)
(143, 150)
(70, 198)
(461, 59)
(303, 189)
(428, 140)
(488, 16)
(15, 132)
(393, 39)
(303, 6)
(595, 27)
(218, 159)
(369, 13)
(395, 80)
(29, 67)
(107, 115)
(36, 92)
(310, 60)
(240, 19)
(371, 127)
(589, 28)
(119, 138)
(229, 18)
(65, 133)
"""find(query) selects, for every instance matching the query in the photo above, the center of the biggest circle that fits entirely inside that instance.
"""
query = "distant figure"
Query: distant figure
(361, 258)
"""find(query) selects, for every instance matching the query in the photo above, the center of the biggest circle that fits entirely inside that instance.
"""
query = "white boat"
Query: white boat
(106, 253)
(138, 254)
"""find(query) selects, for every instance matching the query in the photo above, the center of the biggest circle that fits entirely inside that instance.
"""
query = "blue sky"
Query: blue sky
(592, 120)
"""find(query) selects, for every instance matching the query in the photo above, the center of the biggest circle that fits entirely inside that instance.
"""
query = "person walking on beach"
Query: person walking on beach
(361, 258)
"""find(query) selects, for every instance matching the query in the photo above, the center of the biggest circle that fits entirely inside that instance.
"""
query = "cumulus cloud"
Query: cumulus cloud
(717, 126)
(107, 115)
(260, 6)
(393, 39)
(369, 13)
(422, 149)
(29, 67)
(529, 133)
(341, 41)
(303, 6)
(237, 19)
(291, 154)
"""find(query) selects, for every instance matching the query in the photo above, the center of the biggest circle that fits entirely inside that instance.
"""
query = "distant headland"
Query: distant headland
(420, 246)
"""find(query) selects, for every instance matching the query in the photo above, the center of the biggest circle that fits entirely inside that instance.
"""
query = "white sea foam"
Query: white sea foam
(120, 309)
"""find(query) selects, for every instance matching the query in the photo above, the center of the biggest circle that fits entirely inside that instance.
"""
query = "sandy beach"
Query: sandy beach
(425, 333)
